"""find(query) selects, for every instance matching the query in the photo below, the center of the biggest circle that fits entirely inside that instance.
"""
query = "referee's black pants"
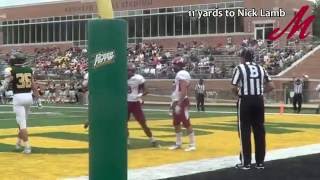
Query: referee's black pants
(200, 101)
(297, 99)
(251, 116)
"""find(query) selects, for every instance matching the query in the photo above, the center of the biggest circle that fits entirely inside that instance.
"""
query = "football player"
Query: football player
(72, 93)
(172, 98)
(180, 105)
(137, 89)
(52, 92)
(37, 100)
(63, 93)
(85, 87)
(22, 81)
(7, 93)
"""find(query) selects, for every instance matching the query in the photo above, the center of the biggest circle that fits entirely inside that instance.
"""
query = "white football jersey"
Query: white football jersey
(133, 87)
(7, 79)
(181, 75)
(85, 80)
(7, 72)
(86, 76)
(318, 89)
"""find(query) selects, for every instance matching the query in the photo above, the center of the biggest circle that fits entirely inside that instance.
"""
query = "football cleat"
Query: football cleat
(243, 167)
(259, 166)
(175, 147)
(27, 150)
(190, 148)
(155, 144)
(18, 146)
(86, 125)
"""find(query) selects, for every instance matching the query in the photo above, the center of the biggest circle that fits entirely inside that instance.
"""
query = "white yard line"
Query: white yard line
(163, 110)
(37, 118)
(205, 165)
(52, 107)
(44, 113)
(230, 112)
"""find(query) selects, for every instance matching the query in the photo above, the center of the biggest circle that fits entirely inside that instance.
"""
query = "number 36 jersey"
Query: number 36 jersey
(21, 79)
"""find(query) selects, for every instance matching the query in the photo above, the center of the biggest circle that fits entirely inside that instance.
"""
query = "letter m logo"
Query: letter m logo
(297, 24)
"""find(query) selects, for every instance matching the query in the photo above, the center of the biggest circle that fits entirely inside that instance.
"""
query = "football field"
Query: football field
(60, 143)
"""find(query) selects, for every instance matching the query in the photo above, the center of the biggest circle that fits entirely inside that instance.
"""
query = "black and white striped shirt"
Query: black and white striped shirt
(200, 89)
(298, 86)
(250, 78)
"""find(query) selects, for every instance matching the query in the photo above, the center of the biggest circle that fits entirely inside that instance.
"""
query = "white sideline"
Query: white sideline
(193, 167)
(230, 112)
(162, 110)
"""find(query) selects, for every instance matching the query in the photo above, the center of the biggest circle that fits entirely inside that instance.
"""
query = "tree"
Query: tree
(316, 23)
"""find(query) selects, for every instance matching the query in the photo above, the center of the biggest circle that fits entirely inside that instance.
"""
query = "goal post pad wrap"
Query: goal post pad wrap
(107, 52)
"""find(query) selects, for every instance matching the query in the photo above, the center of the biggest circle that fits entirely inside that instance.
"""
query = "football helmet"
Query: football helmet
(178, 63)
(131, 69)
(17, 58)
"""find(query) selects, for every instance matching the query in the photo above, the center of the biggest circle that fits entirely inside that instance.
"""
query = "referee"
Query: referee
(200, 90)
(297, 98)
(249, 82)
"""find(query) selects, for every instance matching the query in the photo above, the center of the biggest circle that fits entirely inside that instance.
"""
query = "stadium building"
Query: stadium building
(64, 23)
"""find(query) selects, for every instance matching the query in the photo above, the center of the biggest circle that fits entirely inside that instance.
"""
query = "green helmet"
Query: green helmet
(17, 58)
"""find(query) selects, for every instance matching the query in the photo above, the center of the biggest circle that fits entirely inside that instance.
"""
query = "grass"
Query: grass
(58, 138)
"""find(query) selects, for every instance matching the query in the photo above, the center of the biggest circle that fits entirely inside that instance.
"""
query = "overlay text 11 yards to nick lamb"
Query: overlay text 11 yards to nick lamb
(245, 12)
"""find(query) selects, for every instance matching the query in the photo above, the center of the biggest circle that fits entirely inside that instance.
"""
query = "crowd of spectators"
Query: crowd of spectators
(154, 61)
(276, 59)
(51, 62)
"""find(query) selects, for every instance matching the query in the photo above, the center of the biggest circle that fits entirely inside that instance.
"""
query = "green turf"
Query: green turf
(41, 150)
(58, 117)
(76, 115)
(64, 115)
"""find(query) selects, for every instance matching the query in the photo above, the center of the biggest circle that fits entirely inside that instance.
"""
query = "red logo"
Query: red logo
(297, 24)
